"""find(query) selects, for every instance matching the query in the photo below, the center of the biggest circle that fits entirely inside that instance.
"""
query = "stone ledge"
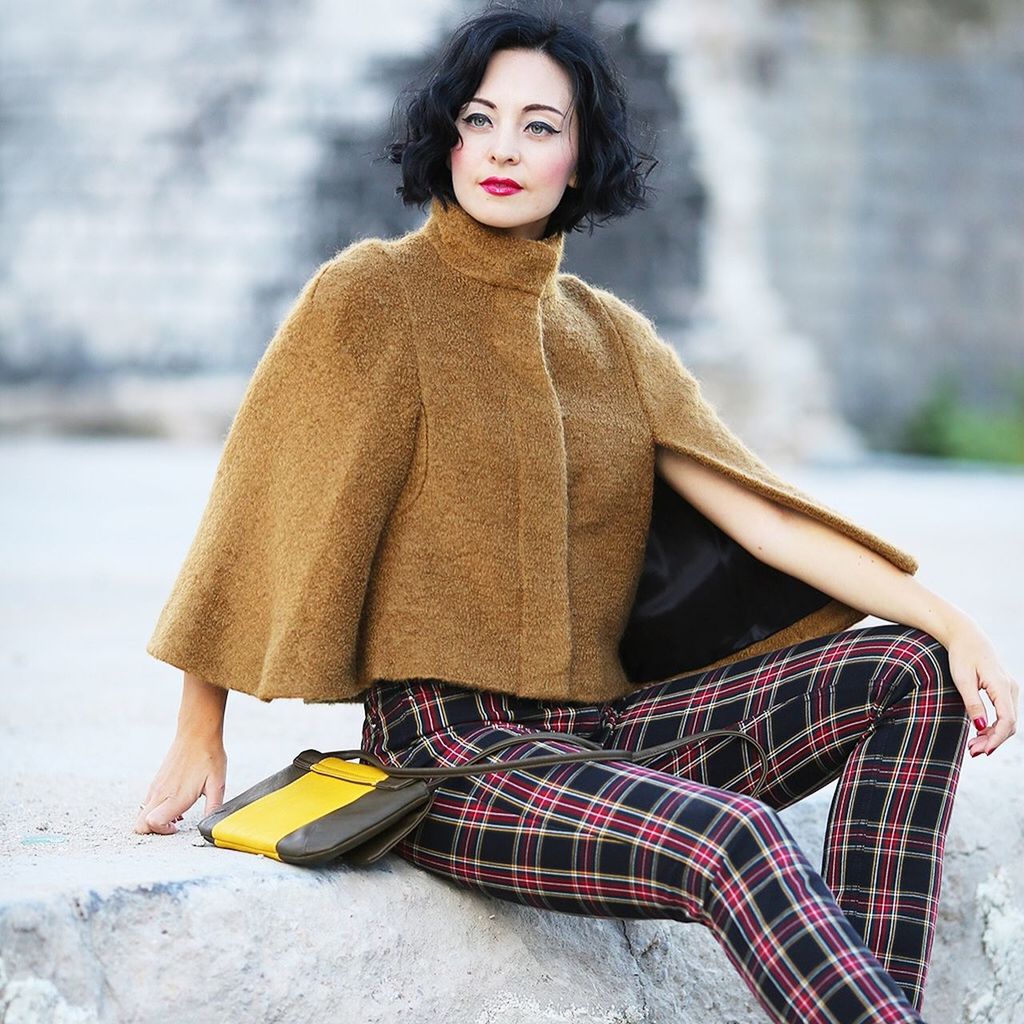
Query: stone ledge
(255, 939)
(214, 935)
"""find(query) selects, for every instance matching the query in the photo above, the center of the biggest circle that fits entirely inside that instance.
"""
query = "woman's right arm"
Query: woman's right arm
(196, 763)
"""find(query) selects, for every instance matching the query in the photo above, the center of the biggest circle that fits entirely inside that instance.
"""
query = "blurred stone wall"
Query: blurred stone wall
(158, 166)
(837, 215)
(894, 218)
(171, 178)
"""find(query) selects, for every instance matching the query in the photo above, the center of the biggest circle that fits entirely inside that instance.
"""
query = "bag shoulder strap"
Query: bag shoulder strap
(595, 752)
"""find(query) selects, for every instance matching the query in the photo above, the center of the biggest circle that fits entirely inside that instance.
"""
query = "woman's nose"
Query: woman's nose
(504, 148)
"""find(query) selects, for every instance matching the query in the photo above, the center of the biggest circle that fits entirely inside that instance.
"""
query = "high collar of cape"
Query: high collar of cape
(490, 254)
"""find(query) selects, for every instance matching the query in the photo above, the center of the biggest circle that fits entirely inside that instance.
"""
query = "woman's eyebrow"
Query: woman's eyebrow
(529, 106)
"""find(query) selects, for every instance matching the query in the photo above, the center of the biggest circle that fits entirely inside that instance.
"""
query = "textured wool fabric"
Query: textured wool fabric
(443, 467)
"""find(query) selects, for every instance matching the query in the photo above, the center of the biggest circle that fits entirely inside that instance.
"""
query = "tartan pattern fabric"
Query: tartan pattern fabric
(680, 837)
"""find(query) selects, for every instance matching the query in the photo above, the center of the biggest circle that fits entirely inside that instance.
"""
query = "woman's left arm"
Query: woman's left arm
(845, 569)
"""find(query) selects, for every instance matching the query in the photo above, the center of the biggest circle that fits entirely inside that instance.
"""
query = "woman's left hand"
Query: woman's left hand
(975, 666)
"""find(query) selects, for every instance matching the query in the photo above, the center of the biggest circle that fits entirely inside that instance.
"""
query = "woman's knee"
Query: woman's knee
(924, 680)
(926, 659)
(746, 837)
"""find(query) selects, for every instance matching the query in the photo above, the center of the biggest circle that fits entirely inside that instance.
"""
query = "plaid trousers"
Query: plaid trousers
(680, 837)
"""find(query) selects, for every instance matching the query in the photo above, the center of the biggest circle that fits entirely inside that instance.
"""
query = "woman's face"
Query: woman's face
(517, 126)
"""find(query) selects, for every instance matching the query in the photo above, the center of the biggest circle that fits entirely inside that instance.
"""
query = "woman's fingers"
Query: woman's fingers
(159, 815)
(194, 765)
(214, 793)
(965, 678)
(1006, 711)
(964, 666)
(975, 666)
(1003, 692)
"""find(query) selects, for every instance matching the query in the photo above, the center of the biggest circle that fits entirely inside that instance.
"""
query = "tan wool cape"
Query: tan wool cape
(444, 467)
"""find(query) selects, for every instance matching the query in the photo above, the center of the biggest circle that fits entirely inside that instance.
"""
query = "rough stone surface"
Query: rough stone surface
(98, 924)
(893, 174)
(837, 219)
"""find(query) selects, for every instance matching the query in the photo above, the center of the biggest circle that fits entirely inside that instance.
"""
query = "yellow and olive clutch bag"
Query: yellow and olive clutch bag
(323, 807)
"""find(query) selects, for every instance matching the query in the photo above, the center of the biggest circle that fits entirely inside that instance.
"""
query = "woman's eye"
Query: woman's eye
(545, 129)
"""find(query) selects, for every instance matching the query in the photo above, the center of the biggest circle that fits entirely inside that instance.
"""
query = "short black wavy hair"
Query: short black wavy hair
(610, 174)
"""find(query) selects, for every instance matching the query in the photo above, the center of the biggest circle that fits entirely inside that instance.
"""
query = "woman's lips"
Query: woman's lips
(501, 188)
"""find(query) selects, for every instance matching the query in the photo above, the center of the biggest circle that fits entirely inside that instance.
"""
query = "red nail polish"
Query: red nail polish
(980, 723)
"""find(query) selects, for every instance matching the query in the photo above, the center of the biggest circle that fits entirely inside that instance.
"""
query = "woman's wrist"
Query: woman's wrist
(950, 620)
(201, 715)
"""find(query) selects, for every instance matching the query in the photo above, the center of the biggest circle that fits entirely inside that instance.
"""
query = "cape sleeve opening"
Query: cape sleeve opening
(703, 600)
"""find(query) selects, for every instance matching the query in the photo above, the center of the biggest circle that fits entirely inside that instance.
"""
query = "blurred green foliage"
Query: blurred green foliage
(945, 425)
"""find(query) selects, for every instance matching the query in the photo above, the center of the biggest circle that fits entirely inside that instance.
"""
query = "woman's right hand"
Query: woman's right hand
(194, 766)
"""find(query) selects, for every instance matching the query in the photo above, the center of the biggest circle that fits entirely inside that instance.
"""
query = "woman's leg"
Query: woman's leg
(876, 708)
(616, 839)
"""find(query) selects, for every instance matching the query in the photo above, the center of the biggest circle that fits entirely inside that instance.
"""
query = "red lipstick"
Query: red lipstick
(501, 186)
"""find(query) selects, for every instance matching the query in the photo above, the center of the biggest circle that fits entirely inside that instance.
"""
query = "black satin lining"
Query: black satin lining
(702, 596)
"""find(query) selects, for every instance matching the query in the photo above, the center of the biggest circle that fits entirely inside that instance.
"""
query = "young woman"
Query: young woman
(438, 497)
